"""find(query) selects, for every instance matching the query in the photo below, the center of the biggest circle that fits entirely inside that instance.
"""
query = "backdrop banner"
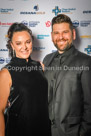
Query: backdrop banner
(37, 15)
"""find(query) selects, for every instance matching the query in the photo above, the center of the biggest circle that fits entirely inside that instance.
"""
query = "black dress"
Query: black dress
(28, 113)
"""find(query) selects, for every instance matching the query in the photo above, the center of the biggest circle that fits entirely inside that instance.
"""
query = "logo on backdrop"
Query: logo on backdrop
(48, 24)
(86, 11)
(36, 7)
(2, 60)
(85, 36)
(53, 50)
(88, 50)
(75, 23)
(5, 24)
(57, 10)
(41, 36)
(85, 23)
(8, 60)
(30, 23)
(6, 11)
(3, 50)
(36, 12)
(38, 48)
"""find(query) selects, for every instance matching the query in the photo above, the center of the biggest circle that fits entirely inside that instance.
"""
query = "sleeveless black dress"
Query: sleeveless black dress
(28, 112)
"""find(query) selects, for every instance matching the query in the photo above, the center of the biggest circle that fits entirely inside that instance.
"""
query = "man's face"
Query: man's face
(62, 36)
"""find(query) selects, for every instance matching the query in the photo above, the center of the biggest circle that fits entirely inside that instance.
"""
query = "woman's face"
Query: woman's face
(22, 44)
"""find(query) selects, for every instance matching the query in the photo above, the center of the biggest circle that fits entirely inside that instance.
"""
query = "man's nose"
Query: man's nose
(60, 36)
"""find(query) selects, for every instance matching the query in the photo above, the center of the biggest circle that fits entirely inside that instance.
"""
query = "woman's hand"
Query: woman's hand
(42, 65)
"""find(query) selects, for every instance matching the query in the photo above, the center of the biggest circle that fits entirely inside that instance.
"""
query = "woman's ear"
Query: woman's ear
(12, 45)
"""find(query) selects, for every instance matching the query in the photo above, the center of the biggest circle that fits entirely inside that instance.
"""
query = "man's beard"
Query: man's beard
(65, 48)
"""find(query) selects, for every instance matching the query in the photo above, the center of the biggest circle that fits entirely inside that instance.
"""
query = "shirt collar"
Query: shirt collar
(66, 53)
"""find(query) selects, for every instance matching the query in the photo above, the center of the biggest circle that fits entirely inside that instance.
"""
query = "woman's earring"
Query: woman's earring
(13, 53)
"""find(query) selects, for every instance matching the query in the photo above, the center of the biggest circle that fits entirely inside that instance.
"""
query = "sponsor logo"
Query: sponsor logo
(88, 49)
(68, 11)
(53, 51)
(36, 7)
(42, 36)
(57, 10)
(2, 60)
(48, 24)
(38, 48)
(25, 22)
(86, 36)
(3, 50)
(30, 23)
(75, 23)
(6, 11)
(5, 24)
(85, 23)
(8, 60)
(36, 12)
(86, 11)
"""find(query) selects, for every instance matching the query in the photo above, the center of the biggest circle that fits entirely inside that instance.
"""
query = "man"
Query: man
(68, 72)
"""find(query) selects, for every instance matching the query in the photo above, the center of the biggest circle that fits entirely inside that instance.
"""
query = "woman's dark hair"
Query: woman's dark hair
(62, 18)
(15, 27)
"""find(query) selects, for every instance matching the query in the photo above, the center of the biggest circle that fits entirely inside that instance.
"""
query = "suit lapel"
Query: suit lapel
(61, 72)
(50, 59)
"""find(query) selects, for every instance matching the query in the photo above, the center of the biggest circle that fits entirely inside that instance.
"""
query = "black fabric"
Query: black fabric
(55, 68)
(72, 93)
(28, 114)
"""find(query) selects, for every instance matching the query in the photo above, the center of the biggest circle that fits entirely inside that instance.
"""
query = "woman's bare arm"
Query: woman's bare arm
(5, 84)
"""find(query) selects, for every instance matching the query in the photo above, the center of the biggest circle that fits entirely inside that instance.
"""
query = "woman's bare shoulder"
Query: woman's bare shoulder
(5, 76)
(5, 85)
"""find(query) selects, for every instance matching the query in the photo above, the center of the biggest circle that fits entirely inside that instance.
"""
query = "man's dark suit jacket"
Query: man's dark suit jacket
(72, 108)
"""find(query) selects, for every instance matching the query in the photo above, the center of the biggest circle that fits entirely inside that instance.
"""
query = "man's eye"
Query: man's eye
(28, 41)
(65, 31)
(55, 32)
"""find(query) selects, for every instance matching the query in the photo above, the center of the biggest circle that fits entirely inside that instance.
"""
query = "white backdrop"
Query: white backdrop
(37, 15)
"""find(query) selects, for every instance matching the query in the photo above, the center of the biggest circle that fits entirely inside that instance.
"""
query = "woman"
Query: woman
(24, 87)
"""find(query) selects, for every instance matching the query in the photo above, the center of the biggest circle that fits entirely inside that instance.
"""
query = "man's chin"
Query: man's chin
(63, 49)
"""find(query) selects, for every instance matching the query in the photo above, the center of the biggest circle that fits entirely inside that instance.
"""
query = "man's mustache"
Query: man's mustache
(61, 40)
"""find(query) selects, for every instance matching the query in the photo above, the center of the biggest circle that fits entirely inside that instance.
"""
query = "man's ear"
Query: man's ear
(74, 34)
(51, 36)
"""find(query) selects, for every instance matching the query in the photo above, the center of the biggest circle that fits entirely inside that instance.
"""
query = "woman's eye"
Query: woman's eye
(18, 43)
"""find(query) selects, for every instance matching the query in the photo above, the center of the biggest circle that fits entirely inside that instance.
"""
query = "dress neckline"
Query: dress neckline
(20, 61)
